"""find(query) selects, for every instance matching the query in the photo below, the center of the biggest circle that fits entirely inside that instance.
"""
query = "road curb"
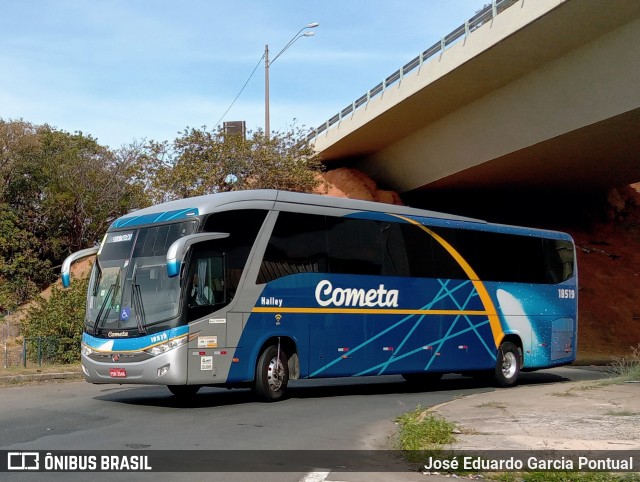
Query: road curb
(39, 377)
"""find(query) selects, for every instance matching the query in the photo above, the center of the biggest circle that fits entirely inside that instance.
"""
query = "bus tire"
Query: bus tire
(272, 375)
(183, 391)
(507, 365)
(424, 378)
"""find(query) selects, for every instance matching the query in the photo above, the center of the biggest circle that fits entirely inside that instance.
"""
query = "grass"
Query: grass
(422, 433)
(627, 368)
(423, 430)
(622, 413)
(492, 405)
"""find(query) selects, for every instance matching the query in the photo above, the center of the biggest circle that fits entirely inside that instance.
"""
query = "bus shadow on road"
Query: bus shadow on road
(376, 386)
(158, 396)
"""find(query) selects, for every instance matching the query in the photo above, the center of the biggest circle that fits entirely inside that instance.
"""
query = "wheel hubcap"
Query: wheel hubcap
(275, 374)
(509, 364)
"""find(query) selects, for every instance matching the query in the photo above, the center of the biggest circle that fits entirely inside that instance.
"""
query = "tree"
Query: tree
(21, 271)
(59, 320)
(58, 193)
(86, 188)
(204, 162)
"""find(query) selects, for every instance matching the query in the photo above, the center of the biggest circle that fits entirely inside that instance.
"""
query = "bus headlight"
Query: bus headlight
(85, 350)
(165, 347)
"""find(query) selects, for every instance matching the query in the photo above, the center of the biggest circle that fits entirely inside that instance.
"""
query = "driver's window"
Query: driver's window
(206, 290)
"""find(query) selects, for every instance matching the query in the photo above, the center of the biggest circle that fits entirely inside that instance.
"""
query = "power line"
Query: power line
(241, 90)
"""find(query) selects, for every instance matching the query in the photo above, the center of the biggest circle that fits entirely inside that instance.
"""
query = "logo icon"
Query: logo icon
(23, 461)
(125, 314)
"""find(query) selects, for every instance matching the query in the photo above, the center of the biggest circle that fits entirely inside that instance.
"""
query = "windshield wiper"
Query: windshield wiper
(102, 307)
(113, 291)
(138, 307)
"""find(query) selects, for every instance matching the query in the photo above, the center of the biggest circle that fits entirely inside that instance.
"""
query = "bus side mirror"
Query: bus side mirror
(180, 247)
(66, 266)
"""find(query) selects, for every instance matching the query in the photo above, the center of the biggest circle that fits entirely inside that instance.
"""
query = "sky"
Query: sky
(127, 71)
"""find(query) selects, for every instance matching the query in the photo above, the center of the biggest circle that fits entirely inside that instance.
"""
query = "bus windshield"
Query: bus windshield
(129, 288)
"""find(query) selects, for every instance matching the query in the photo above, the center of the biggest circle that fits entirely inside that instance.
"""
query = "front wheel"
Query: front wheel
(272, 375)
(507, 365)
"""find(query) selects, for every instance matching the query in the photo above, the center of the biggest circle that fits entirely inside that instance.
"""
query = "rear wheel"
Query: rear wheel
(507, 365)
(272, 375)
(183, 391)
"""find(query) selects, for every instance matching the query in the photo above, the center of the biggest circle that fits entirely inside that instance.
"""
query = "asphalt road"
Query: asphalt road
(331, 414)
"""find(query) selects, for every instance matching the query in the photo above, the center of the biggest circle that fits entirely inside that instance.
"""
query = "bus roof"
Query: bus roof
(182, 209)
(263, 199)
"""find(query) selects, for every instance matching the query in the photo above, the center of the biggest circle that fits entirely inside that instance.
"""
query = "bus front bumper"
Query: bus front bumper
(168, 368)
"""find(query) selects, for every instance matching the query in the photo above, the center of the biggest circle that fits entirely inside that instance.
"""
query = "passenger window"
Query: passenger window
(355, 246)
(298, 244)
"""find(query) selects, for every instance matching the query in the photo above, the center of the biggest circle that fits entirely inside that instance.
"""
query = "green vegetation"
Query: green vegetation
(203, 162)
(56, 324)
(627, 368)
(422, 433)
(58, 193)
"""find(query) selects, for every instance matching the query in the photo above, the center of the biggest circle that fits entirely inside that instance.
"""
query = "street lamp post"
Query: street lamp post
(267, 64)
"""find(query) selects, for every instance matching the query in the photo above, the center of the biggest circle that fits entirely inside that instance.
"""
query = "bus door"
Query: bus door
(205, 296)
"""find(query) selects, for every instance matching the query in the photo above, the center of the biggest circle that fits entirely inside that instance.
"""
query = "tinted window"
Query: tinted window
(560, 260)
(355, 246)
(302, 243)
(243, 227)
(427, 257)
(512, 258)
(298, 244)
(155, 241)
(117, 245)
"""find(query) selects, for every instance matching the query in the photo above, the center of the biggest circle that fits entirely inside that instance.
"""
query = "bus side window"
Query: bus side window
(395, 261)
(297, 245)
(243, 227)
(427, 257)
(205, 288)
(559, 260)
(355, 246)
(417, 244)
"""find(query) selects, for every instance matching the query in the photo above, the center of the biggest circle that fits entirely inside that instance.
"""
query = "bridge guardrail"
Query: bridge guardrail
(487, 13)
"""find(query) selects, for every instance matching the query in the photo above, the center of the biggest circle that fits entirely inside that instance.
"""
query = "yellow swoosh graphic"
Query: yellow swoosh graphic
(491, 312)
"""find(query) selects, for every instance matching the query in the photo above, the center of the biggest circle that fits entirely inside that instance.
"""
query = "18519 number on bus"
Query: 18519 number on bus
(566, 294)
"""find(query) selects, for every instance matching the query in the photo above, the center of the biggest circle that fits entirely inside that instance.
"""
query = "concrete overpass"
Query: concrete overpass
(536, 94)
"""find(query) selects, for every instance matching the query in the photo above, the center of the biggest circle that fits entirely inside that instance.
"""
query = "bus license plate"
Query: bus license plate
(117, 372)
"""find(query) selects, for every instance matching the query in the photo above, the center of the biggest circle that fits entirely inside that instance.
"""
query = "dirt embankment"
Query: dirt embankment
(354, 184)
(609, 279)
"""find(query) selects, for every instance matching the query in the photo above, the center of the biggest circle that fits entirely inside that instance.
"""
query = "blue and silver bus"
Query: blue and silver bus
(254, 288)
